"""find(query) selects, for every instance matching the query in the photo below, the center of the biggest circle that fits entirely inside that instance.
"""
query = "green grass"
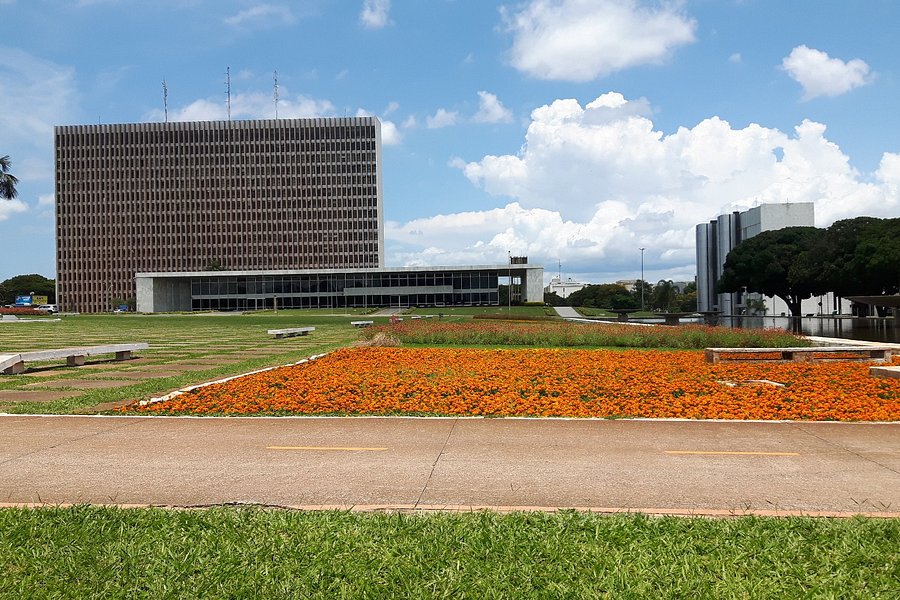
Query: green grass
(470, 311)
(230, 344)
(555, 334)
(92, 552)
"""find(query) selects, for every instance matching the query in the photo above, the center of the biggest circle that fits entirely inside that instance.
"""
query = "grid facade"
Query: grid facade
(235, 195)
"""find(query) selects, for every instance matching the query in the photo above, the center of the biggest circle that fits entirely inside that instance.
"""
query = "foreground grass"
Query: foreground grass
(243, 553)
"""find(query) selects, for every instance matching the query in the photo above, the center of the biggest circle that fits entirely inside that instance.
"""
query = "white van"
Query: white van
(50, 308)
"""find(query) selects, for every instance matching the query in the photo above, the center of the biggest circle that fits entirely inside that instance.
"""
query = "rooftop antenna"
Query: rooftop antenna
(275, 77)
(228, 91)
(166, 100)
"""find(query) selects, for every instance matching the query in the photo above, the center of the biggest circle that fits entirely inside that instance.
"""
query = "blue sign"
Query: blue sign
(23, 300)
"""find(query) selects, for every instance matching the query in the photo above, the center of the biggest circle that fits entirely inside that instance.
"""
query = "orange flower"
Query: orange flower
(548, 382)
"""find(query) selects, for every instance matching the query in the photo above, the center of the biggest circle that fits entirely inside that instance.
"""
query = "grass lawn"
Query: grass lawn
(184, 349)
(471, 311)
(97, 552)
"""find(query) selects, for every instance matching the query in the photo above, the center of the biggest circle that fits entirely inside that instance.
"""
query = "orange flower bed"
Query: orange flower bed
(545, 383)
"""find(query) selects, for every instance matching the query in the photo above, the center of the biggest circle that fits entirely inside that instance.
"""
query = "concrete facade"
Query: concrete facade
(239, 195)
(718, 237)
(335, 288)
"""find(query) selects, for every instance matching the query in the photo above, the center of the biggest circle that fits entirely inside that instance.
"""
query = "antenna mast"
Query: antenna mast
(228, 91)
(275, 76)
(166, 100)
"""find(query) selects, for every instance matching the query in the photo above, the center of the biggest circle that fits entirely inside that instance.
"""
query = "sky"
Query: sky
(574, 132)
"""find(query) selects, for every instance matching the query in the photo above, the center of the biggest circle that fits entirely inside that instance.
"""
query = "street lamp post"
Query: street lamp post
(509, 284)
(642, 278)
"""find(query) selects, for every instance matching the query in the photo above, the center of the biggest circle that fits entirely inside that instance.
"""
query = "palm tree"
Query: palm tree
(7, 182)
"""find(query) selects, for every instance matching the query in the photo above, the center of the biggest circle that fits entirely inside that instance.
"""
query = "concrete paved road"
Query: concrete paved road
(405, 463)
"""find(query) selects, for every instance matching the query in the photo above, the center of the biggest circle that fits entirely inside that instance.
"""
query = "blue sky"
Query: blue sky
(575, 131)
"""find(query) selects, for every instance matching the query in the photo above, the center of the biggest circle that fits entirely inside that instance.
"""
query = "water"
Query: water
(853, 328)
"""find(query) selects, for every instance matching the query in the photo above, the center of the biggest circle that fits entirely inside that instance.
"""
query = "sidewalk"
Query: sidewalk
(681, 467)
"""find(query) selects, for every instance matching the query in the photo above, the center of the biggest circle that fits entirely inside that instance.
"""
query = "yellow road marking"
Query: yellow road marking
(733, 453)
(336, 448)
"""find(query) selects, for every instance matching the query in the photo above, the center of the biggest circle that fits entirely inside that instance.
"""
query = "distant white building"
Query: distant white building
(721, 235)
(628, 284)
(563, 288)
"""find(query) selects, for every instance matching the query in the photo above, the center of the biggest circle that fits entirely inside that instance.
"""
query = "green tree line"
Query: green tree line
(858, 256)
(24, 285)
(662, 297)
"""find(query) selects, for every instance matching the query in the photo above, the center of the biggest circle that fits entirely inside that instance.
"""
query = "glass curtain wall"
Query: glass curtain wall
(340, 290)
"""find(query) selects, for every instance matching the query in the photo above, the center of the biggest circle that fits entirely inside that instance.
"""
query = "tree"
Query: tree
(686, 302)
(604, 295)
(8, 181)
(23, 285)
(638, 297)
(877, 256)
(663, 295)
(763, 264)
(554, 299)
(858, 256)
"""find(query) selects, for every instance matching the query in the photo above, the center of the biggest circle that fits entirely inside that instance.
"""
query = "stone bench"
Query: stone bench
(672, 318)
(290, 332)
(889, 372)
(623, 313)
(362, 323)
(13, 364)
(814, 353)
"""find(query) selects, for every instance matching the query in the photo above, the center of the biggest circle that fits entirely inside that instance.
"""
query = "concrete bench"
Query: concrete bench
(290, 332)
(889, 372)
(362, 323)
(814, 353)
(13, 364)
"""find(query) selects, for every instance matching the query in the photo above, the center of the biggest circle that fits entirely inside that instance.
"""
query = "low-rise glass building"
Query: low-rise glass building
(333, 288)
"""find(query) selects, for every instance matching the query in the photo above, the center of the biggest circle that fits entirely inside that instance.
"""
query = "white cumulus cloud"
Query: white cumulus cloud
(375, 14)
(491, 110)
(390, 133)
(821, 75)
(593, 183)
(10, 207)
(581, 40)
(442, 118)
(252, 105)
(35, 95)
(262, 15)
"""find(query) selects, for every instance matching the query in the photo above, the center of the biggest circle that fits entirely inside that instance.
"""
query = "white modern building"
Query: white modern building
(721, 235)
(563, 288)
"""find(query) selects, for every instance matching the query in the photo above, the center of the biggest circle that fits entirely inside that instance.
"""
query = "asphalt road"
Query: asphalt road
(684, 467)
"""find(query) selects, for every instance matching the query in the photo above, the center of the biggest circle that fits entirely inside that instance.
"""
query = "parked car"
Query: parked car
(50, 308)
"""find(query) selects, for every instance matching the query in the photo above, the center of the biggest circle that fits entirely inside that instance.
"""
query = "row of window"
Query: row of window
(338, 301)
(307, 284)
(155, 134)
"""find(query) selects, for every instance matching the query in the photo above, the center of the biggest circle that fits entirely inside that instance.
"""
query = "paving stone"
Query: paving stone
(134, 375)
(7, 396)
(80, 384)
(179, 366)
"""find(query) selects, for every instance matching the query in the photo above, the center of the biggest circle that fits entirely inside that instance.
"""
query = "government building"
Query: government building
(241, 215)
(721, 235)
